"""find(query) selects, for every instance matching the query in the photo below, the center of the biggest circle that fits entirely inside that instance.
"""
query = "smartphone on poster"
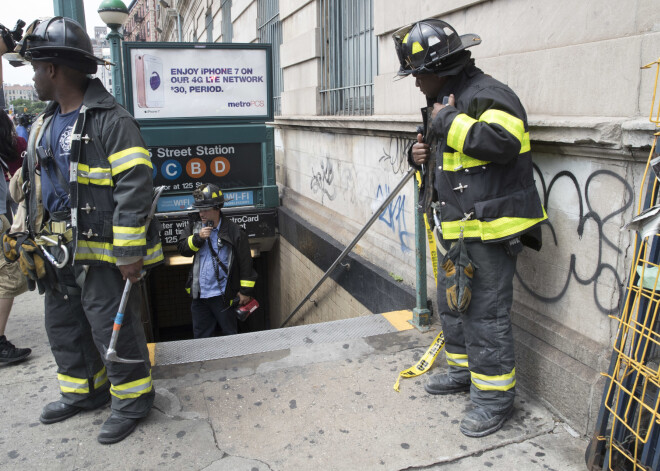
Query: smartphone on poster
(139, 80)
(150, 87)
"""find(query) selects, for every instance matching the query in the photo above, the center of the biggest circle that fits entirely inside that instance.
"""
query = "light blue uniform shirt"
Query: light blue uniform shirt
(208, 282)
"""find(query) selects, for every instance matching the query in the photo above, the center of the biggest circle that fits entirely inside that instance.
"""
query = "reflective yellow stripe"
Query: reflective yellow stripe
(462, 123)
(191, 245)
(101, 251)
(453, 161)
(525, 145)
(458, 131)
(489, 230)
(154, 255)
(129, 158)
(509, 122)
(247, 283)
(69, 384)
(129, 236)
(494, 383)
(132, 389)
(417, 47)
(94, 175)
(457, 359)
(100, 378)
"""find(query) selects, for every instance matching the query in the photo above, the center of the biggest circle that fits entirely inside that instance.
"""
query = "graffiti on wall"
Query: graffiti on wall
(322, 180)
(608, 303)
(396, 154)
(394, 215)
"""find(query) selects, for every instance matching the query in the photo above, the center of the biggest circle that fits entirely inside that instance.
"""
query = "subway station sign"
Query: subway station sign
(183, 168)
(198, 80)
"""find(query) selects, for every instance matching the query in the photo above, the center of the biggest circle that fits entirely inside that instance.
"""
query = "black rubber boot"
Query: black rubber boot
(9, 353)
(480, 422)
(116, 428)
(57, 412)
(443, 384)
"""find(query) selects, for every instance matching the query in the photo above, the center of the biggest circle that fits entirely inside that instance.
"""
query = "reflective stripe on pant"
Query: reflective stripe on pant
(80, 370)
(482, 338)
(132, 388)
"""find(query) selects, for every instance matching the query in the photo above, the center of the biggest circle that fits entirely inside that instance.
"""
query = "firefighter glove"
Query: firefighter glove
(459, 271)
(9, 247)
(31, 261)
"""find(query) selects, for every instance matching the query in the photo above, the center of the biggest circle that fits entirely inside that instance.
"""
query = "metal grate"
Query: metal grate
(630, 436)
(189, 351)
(270, 31)
(349, 57)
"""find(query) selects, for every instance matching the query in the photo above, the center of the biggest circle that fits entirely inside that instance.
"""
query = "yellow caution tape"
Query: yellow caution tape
(432, 248)
(429, 235)
(425, 363)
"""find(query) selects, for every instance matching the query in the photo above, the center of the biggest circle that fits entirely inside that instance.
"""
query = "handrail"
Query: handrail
(350, 246)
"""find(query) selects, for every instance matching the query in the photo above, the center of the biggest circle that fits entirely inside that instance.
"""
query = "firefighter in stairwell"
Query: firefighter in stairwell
(477, 187)
(88, 181)
(222, 276)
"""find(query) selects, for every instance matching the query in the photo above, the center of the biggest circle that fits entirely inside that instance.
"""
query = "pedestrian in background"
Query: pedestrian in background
(478, 188)
(12, 282)
(12, 147)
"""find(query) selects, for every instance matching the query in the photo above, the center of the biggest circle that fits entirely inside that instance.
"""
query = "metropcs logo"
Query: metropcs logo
(246, 104)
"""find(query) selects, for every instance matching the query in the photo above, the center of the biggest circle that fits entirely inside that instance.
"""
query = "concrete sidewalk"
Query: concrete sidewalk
(322, 406)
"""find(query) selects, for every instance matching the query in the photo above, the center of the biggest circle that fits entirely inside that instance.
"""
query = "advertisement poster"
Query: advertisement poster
(199, 82)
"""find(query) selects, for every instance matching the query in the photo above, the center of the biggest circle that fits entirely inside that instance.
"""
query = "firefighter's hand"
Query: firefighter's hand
(133, 271)
(243, 299)
(205, 232)
(420, 151)
(438, 106)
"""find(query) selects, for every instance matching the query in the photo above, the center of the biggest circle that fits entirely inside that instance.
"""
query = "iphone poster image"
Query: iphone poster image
(150, 83)
(187, 82)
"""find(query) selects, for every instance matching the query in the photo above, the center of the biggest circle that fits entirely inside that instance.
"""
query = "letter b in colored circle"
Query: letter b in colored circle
(196, 168)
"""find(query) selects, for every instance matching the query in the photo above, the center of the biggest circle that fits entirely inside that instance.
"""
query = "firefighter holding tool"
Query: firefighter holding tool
(88, 194)
(477, 186)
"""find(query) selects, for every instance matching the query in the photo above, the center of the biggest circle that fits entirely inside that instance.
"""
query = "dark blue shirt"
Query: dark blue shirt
(55, 197)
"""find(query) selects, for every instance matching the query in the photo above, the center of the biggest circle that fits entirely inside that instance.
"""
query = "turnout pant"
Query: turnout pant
(207, 313)
(479, 342)
(79, 325)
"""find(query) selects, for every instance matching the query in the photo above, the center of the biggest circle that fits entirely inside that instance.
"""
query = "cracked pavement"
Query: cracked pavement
(318, 406)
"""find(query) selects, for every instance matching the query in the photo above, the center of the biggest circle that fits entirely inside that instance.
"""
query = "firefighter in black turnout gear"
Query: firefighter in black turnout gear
(88, 177)
(478, 187)
(221, 276)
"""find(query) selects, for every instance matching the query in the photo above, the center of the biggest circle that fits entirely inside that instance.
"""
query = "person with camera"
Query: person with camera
(222, 275)
(88, 181)
(478, 187)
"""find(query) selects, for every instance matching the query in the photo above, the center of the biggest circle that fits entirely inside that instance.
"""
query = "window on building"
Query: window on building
(208, 20)
(227, 29)
(270, 31)
(349, 57)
